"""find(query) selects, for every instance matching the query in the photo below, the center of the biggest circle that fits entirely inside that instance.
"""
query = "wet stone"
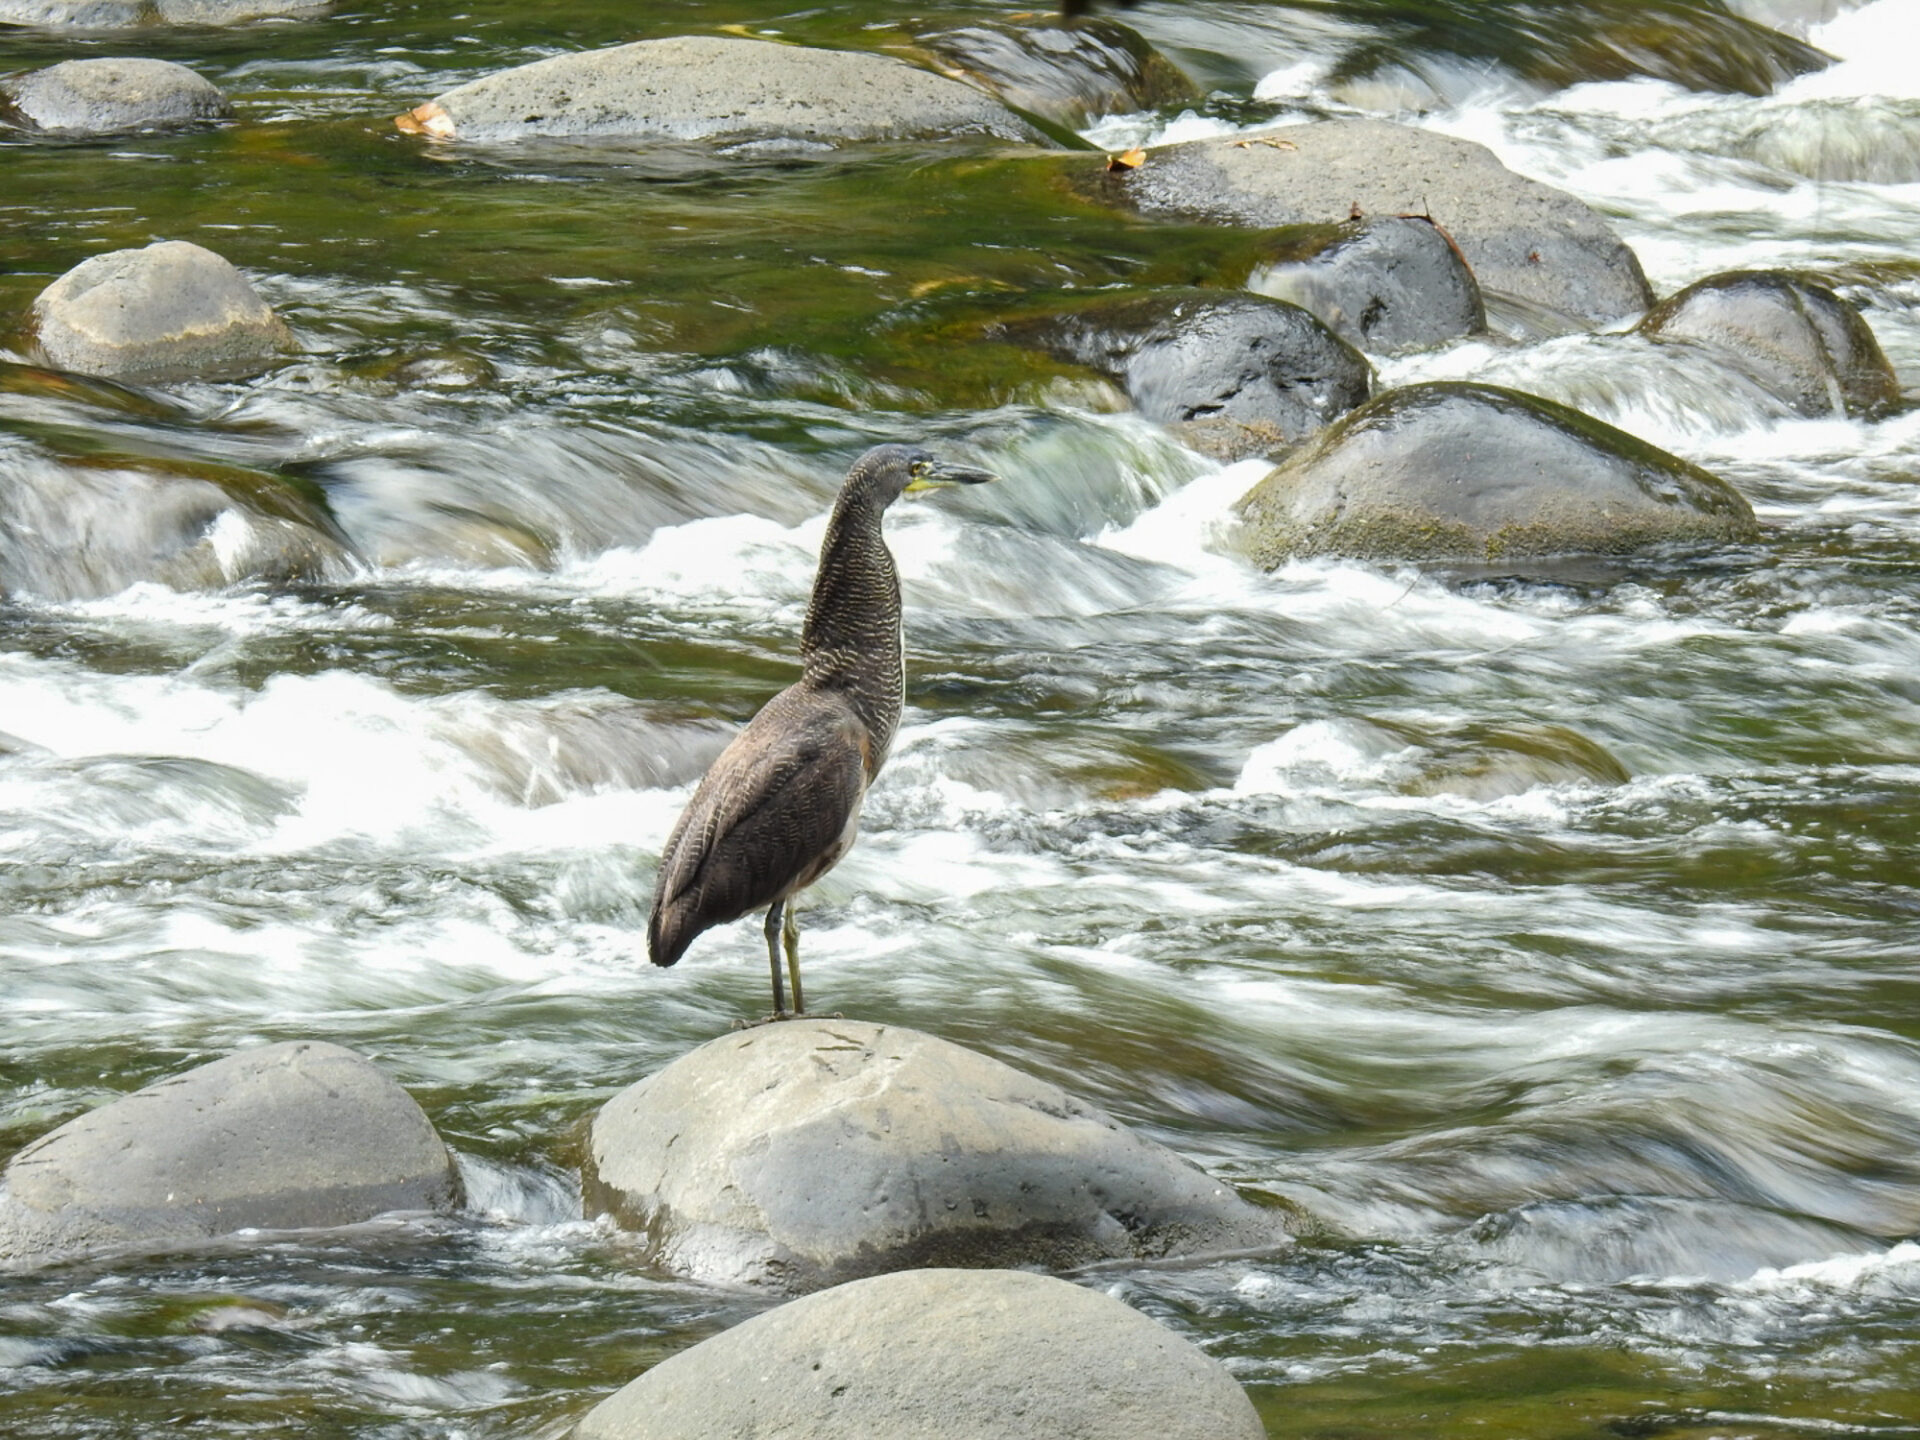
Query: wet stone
(170, 311)
(1792, 335)
(118, 14)
(808, 1153)
(110, 97)
(935, 1354)
(1476, 473)
(1521, 238)
(1067, 74)
(298, 1135)
(1388, 284)
(703, 87)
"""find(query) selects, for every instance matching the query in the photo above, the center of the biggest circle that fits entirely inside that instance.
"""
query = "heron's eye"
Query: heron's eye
(920, 469)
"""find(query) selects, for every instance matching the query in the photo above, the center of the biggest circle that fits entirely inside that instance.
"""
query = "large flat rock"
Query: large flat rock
(700, 87)
(1523, 239)
(936, 1355)
(812, 1152)
(298, 1135)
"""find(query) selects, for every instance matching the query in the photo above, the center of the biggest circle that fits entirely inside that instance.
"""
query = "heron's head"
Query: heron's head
(891, 471)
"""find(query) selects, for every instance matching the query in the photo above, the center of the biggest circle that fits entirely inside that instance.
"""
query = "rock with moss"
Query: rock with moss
(1546, 249)
(294, 1136)
(937, 1355)
(1066, 74)
(1388, 284)
(110, 97)
(77, 527)
(1475, 473)
(805, 1154)
(1792, 335)
(170, 311)
(710, 87)
(1245, 372)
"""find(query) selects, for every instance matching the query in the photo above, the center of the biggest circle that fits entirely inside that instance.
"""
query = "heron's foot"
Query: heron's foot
(767, 1020)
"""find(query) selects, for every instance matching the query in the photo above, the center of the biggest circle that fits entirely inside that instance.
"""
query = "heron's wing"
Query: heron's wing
(771, 810)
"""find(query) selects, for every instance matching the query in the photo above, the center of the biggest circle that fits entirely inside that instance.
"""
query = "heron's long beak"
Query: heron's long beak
(944, 474)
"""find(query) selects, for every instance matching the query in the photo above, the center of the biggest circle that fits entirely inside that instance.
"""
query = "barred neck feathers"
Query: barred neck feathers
(851, 641)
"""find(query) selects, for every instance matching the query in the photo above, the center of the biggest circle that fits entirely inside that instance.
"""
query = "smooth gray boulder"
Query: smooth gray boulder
(1388, 284)
(1523, 239)
(700, 87)
(936, 1355)
(118, 14)
(170, 311)
(1234, 374)
(110, 97)
(298, 1135)
(808, 1153)
(1790, 334)
(1069, 74)
(1467, 472)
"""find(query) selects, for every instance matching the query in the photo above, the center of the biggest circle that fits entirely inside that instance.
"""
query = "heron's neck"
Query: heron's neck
(851, 641)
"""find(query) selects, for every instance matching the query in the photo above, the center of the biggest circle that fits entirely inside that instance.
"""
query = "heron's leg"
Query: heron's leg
(790, 934)
(774, 916)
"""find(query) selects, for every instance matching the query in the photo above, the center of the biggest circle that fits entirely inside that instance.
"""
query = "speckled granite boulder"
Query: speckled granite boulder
(1524, 239)
(1791, 334)
(937, 1355)
(1475, 473)
(700, 87)
(1387, 284)
(170, 311)
(804, 1154)
(291, 1136)
(117, 14)
(110, 97)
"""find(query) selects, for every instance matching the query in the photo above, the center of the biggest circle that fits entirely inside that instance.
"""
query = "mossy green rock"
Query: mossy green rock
(1475, 473)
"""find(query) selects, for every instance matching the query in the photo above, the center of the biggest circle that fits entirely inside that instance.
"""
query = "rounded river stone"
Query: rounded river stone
(291, 1136)
(811, 1152)
(1456, 471)
(1794, 336)
(698, 87)
(170, 311)
(111, 96)
(937, 1355)
(1069, 74)
(1523, 239)
(1386, 284)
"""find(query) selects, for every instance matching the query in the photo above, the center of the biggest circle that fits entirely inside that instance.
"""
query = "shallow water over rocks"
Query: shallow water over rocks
(1546, 934)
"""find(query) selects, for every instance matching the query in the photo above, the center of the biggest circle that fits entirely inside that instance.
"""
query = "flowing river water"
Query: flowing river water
(1550, 938)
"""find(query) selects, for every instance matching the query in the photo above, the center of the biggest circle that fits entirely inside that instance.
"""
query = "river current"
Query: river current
(1550, 939)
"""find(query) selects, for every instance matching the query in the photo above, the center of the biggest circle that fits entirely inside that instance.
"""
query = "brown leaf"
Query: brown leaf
(427, 119)
(1129, 160)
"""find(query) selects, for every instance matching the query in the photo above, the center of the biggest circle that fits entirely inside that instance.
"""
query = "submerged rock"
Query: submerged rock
(934, 1354)
(1521, 238)
(1454, 471)
(804, 1154)
(1792, 335)
(170, 311)
(110, 97)
(698, 87)
(1388, 284)
(1067, 74)
(75, 528)
(1211, 359)
(298, 1135)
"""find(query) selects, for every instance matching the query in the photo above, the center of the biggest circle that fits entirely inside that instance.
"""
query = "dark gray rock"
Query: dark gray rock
(110, 97)
(1521, 238)
(701, 87)
(118, 14)
(1212, 359)
(1389, 284)
(1067, 74)
(937, 1355)
(171, 311)
(291, 1136)
(804, 1154)
(1464, 472)
(75, 528)
(1792, 335)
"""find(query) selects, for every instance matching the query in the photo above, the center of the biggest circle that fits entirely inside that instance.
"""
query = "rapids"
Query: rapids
(1551, 939)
